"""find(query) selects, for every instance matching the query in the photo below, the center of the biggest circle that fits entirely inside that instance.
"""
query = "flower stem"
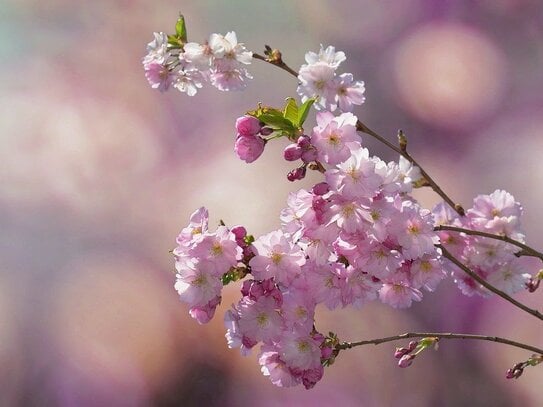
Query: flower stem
(488, 286)
(526, 250)
(440, 335)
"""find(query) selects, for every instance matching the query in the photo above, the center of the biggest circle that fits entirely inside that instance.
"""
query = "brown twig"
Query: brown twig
(488, 286)
(349, 345)
(526, 250)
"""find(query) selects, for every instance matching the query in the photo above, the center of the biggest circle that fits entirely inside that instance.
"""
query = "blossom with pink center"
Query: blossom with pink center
(335, 137)
(496, 213)
(357, 288)
(197, 283)
(276, 256)
(399, 294)
(219, 248)
(351, 216)
(378, 260)
(324, 282)
(317, 242)
(355, 177)
(298, 309)
(260, 320)
(249, 148)
(159, 76)
(414, 230)
(427, 272)
(300, 351)
(510, 277)
(317, 81)
(349, 92)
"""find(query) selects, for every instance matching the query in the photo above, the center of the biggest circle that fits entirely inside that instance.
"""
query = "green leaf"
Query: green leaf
(303, 111)
(277, 122)
(174, 41)
(181, 29)
(290, 112)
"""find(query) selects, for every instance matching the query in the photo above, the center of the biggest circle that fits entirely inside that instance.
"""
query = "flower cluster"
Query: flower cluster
(318, 80)
(357, 236)
(493, 260)
(186, 66)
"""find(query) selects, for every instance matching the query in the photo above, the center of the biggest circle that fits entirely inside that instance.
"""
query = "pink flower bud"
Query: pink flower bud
(249, 148)
(304, 142)
(321, 188)
(296, 174)
(412, 345)
(239, 232)
(292, 152)
(406, 360)
(400, 352)
(248, 126)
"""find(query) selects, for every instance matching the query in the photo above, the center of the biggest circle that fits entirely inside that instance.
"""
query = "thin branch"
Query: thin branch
(277, 62)
(349, 345)
(526, 250)
(488, 286)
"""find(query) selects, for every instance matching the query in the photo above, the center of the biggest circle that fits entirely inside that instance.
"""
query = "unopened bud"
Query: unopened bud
(296, 174)
(400, 352)
(321, 188)
(292, 152)
(406, 361)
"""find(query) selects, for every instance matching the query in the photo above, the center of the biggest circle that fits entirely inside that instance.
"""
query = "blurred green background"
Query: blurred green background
(98, 173)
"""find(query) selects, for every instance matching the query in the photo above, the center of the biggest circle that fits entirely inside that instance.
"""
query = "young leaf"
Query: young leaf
(277, 121)
(181, 29)
(303, 111)
(290, 112)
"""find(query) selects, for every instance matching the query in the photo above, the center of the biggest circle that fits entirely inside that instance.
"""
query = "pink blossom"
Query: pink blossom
(220, 249)
(276, 256)
(249, 148)
(355, 177)
(300, 351)
(197, 283)
(260, 320)
(317, 80)
(334, 137)
(159, 76)
(349, 92)
(399, 294)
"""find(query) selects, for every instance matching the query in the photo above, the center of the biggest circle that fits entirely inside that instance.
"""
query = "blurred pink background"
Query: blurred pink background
(98, 173)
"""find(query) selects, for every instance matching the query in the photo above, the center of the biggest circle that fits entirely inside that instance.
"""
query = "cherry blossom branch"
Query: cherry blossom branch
(488, 286)
(275, 58)
(377, 341)
(526, 250)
